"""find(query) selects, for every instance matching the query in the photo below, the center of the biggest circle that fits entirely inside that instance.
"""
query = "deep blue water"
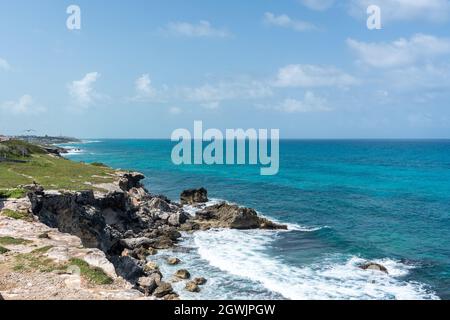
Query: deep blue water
(347, 201)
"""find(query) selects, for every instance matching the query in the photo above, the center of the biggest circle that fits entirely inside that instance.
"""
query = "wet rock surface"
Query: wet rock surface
(224, 215)
(374, 266)
(194, 196)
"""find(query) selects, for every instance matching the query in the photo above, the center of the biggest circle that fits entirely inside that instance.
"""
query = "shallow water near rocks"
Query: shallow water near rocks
(346, 202)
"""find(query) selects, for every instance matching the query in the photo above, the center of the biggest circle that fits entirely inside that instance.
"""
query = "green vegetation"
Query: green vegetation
(3, 250)
(12, 193)
(93, 274)
(98, 164)
(16, 215)
(12, 241)
(26, 163)
(42, 250)
(36, 260)
(17, 149)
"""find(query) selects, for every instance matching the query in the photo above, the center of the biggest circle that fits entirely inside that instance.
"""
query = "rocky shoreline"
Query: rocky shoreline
(129, 224)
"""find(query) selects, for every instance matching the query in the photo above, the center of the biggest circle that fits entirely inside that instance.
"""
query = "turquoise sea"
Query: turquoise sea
(346, 202)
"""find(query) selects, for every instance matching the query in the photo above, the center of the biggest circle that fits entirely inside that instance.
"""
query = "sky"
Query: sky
(143, 68)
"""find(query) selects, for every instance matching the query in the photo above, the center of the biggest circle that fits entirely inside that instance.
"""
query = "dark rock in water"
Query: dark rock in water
(173, 261)
(182, 274)
(191, 286)
(374, 266)
(163, 289)
(200, 281)
(194, 196)
(224, 215)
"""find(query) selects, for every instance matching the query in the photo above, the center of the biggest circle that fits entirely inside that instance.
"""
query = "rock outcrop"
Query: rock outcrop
(129, 224)
(224, 215)
(194, 196)
(374, 266)
(182, 274)
(191, 286)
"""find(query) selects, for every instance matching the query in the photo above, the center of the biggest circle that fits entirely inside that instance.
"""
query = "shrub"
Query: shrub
(99, 164)
(16, 215)
(12, 193)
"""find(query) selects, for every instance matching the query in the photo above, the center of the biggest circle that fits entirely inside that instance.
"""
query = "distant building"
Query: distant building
(4, 138)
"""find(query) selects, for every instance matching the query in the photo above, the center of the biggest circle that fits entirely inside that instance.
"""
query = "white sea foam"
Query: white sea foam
(73, 151)
(192, 210)
(297, 227)
(243, 254)
(90, 141)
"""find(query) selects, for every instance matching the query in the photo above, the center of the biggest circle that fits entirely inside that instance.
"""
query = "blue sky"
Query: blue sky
(311, 68)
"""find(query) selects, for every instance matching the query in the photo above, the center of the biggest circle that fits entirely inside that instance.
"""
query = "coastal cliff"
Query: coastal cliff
(129, 224)
(122, 224)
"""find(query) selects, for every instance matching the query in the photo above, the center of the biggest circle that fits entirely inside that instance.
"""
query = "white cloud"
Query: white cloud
(310, 103)
(82, 91)
(309, 76)
(405, 10)
(4, 65)
(24, 106)
(145, 91)
(144, 86)
(175, 111)
(318, 5)
(402, 52)
(203, 29)
(285, 21)
(425, 77)
(211, 95)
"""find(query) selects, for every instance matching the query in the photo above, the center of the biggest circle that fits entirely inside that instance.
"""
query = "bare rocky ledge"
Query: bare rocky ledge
(117, 230)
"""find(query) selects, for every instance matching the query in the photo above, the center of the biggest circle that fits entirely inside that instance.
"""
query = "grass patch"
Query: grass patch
(36, 260)
(92, 274)
(53, 173)
(42, 250)
(3, 250)
(18, 150)
(99, 164)
(10, 241)
(16, 215)
(12, 194)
